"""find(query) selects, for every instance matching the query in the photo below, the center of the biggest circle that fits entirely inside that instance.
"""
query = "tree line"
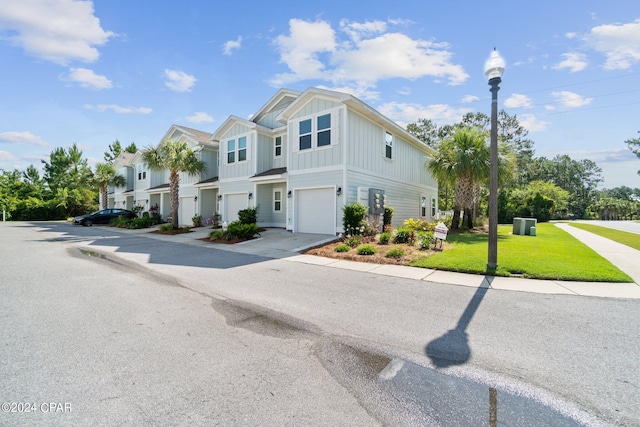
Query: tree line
(529, 186)
(67, 187)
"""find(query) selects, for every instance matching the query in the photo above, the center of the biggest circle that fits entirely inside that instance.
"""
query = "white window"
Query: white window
(278, 146)
(277, 200)
(315, 132)
(388, 145)
(142, 171)
(433, 207)
(423, 206)
(237, 150)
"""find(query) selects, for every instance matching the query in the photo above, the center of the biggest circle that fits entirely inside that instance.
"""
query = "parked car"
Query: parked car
(103, 216)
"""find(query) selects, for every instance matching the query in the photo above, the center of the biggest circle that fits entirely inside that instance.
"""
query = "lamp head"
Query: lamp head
(494, 67)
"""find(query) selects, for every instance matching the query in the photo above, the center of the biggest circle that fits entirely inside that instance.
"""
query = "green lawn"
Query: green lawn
(552, 254)
(626, 238)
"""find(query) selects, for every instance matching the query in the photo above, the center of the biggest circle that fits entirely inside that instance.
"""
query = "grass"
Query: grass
(624, 237)
(552, 254)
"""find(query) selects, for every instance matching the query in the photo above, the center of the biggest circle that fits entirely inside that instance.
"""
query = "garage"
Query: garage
(316, 211)
(233, 204)
(186, 211)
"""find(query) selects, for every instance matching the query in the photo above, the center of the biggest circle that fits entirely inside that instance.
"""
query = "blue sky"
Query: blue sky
(91, 72)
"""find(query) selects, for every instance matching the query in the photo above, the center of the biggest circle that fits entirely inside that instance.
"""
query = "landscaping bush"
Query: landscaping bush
(342, 248)
(419, 225)
(216, 235)
(353, 241)
(242, 231)
(248, 216)
(404, 235)
(120, 222)
(384, 238)
(197, 220)
(395, 253)
(166, 227)
(366, 250)
(425, 240)
(138, 223)
(353, 216)
(387, 217)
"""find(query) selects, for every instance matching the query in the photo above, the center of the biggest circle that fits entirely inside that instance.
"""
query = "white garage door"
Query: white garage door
(186, 211)
(316, 211)
(234, 203)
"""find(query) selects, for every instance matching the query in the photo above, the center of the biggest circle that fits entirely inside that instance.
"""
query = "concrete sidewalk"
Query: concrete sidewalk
(282, 244)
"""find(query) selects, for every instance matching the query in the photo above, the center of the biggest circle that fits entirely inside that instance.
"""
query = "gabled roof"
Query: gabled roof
(281, 99)
(232, 120)
(197, 136)
(124, 159)
(355, 104)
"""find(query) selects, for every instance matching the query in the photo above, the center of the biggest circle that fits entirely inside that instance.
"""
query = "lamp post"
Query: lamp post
(493, 69)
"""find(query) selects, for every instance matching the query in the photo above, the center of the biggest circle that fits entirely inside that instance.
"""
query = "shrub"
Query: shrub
(120, 222)
(145, 214)
(353, 241)
(404, 235)
(353, 216)
(395, 253)
(387, 217)
(197, 220)
(242, 231)
(369, 228)
(366, 250)
(384, 238)
(342, 248)
(248, 216)
(216, 235)
(138, 223)
(419, 225)
(425, 240)
(166, 227)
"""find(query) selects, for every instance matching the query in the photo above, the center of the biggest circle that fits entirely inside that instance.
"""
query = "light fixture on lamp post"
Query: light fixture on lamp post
(493, 69)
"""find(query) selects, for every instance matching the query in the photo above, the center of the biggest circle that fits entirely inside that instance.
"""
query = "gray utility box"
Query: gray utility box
(523, 226)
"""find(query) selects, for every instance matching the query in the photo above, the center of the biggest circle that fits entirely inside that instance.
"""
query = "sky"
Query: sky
(92, 72)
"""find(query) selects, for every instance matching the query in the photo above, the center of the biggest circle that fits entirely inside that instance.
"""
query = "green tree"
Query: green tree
(177, 157)
(104, 176)
(462, 160)
(634, 146)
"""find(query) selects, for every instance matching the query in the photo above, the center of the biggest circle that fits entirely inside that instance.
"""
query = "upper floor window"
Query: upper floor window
(142, 171)
(388, 145)
(316, 132)
(237, 150)
(324, 130)
(305, 134)
(278, 146)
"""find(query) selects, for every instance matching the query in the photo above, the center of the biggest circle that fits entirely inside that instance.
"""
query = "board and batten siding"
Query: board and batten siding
(402, 196)
(366, 150)
(237, 169)
(265, 158)
(315, 157)
(210, 159)
(266, 215)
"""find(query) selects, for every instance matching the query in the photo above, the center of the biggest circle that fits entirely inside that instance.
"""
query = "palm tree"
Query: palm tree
(462, 160)
(177, 157)
(105, 176)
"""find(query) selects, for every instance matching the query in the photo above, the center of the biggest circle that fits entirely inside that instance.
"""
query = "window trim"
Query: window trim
(388, 145)
(434, 206)
(237, 151)
(141, 171)
(276, 146)
(277, 190)
(423, 206)
(332, 130)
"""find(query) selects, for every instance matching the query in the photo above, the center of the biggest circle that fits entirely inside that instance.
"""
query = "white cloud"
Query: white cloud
(518, 100)
(609, 155)
(21, 138)
(7, 161)
(571, 35)
(532, 123)
(368, 54)
(620, 43)
(87, 78)
(200, 117)
(231, 45)
(58, 31)
(469, 98)
(118, 109)
(573, 61)
(571, 99)
(179, 80)
(403, 113)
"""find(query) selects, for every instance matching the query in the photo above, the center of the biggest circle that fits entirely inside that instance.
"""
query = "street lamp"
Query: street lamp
(493, 69)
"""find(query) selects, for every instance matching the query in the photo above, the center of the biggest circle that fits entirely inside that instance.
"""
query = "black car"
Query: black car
(103, 216)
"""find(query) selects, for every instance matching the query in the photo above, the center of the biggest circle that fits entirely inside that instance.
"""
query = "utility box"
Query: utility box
(523, 226)
(377, 201)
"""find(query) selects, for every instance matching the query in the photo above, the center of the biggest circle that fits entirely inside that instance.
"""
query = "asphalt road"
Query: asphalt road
(167, 330)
